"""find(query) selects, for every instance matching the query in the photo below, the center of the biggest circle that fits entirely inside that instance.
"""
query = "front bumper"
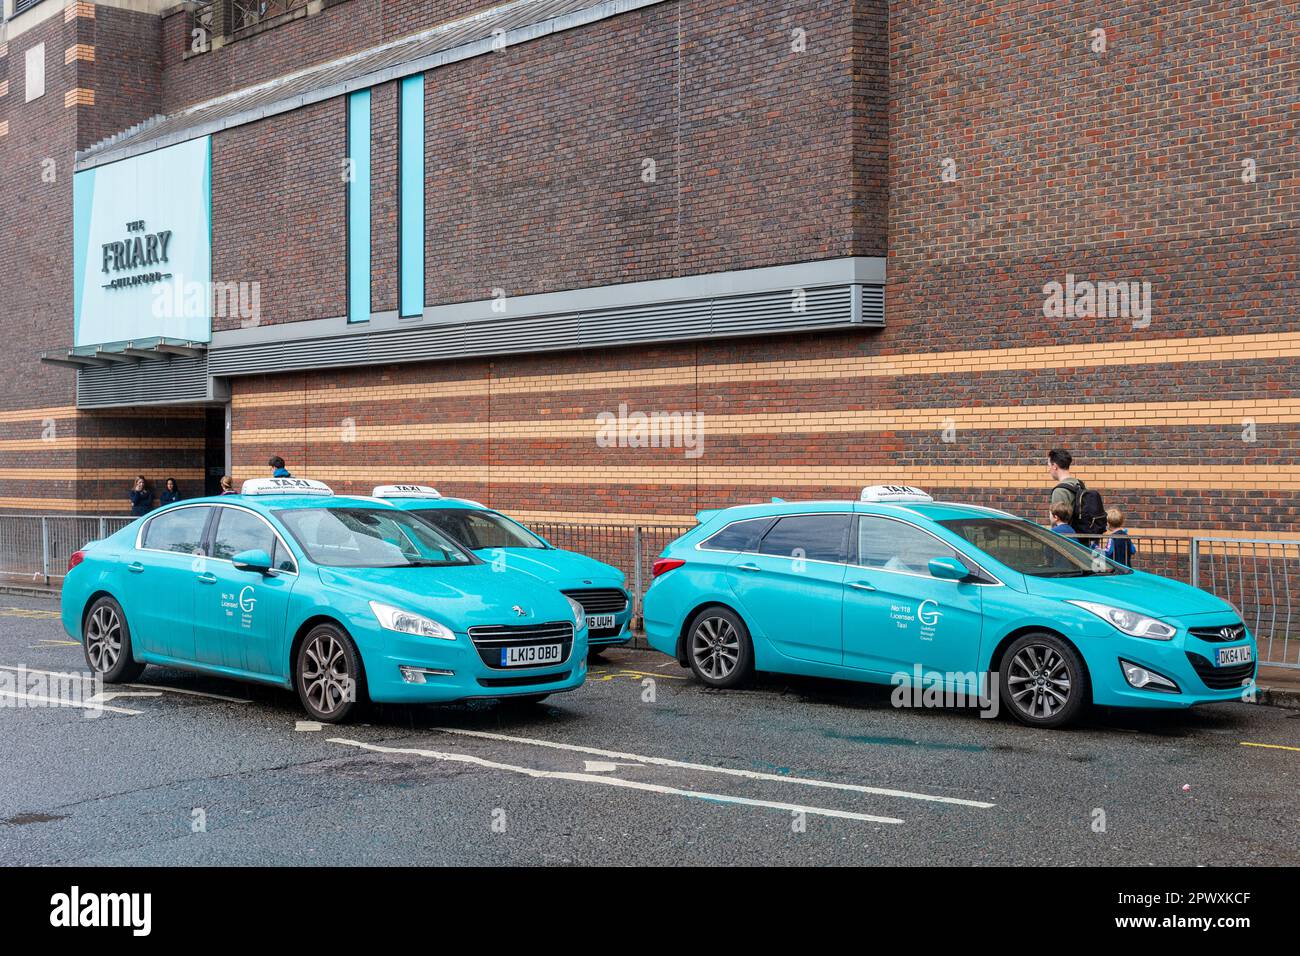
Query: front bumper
(1186, 660)
(455, 670)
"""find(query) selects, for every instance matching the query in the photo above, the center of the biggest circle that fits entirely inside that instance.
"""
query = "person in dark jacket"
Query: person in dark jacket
(141, 497)
(171, 492)
(277, 468)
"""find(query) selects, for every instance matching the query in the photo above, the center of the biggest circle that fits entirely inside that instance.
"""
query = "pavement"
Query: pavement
(641, 766)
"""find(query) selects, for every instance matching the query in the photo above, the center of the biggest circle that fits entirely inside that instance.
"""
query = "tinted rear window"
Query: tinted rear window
(740, 536)
(815, 537)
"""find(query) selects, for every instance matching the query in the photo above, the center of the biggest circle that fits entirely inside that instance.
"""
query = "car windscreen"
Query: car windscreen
(1030, 549)
(370, 538)
(480, 529)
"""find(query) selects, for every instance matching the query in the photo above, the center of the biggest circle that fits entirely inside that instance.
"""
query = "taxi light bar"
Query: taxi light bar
(405, 491)
(889, 493)
(284, 486)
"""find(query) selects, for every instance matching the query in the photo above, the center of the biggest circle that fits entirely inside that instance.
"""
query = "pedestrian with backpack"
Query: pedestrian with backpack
(1087, 511)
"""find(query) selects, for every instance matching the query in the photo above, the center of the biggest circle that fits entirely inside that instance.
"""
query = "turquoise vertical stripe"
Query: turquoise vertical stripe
(411, 188)
(83, 201)
(359, 207)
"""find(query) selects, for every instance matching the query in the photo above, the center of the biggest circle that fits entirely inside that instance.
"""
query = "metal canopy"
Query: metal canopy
(114, 353)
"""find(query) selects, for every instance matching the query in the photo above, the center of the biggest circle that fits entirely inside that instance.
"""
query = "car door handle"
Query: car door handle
(748, 567)
(207, 577)
(135, 567)
(862, 586)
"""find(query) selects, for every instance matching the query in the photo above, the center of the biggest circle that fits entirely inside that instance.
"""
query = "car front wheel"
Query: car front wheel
(1043, 681)
(328, 675)
(106, 641)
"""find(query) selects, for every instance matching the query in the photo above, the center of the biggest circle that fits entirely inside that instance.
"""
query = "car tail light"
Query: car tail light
(665, 564)
(75, 559)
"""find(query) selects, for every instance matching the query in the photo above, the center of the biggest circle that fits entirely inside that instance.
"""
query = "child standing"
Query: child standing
(1061, 512)
(1117, 545)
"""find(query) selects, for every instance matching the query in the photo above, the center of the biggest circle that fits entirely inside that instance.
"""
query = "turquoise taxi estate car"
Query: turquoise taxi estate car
(897, 586)
(343, 599)
(505, 543)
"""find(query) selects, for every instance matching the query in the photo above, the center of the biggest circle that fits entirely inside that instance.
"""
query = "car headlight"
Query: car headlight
(579, 613)
(1129, 622)
(405, 622)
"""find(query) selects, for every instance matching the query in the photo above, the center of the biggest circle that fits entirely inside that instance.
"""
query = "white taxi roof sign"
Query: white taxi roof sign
(284, 486)
(891, 493)
(405, 491)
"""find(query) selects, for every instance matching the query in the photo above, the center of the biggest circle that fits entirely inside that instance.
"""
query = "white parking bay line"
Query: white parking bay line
(157, 687)
(88, 705)
(729, 771)
(615, 782)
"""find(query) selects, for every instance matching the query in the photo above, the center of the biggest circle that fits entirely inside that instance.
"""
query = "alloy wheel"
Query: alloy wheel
(326, 682)
(715, 647)
(103, 638)
(1039, 681)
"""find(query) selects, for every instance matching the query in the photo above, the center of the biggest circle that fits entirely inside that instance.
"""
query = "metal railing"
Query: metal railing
(1258, 576)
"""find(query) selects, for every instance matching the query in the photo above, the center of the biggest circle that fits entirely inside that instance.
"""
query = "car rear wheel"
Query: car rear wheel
(328, 675)
(718, 648)
(1043, 681)
(106, 641)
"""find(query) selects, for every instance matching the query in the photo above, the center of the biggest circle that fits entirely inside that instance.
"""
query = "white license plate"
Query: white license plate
(600, 620)
(532, 654)
(1241, 654)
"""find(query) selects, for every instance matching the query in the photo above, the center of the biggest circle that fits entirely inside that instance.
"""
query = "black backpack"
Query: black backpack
(1088, 513)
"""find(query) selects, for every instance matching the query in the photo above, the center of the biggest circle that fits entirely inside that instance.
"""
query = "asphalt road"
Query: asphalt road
(642, 766)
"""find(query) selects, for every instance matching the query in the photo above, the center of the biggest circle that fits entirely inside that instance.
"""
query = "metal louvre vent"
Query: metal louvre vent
(168, 381)
(764, 313)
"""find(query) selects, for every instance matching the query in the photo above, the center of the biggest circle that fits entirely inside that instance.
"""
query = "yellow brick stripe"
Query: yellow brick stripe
(76, 443)
(1100, 354)
(1100, 415)
(42, 473)
(1196, 477)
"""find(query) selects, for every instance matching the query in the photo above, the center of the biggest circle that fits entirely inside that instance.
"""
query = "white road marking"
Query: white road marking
(69, 703)
(730, 771)
(606, 766)
(108, 695)
(155, 687)
(193, 693)
(616, 782)
(307, 726)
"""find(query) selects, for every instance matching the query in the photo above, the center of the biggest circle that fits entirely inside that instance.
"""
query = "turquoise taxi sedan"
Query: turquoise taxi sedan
(505, 543)
(898, 588)
(343, 599)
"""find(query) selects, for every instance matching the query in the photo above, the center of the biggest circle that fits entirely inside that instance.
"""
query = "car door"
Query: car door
(159, 594)
(240, 615)
(791, 588)
(898, 615)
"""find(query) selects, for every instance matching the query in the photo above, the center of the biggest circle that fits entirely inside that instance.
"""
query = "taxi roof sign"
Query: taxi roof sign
(284, 486)
(891, 493)
(405, 491)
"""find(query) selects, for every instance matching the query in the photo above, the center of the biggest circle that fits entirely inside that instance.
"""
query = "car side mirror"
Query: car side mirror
(949, 569)
(256, 560)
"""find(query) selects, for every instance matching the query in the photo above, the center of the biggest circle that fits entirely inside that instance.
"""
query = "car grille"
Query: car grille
(538, 679)
(490, 638)
(1219, 678)
(600, 601)
(1220, 633)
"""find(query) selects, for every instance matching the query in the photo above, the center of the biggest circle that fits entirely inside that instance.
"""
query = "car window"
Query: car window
(180, 530)
(897, 546)
(370, 538)
(480, 529)
(241, 531)
(1030, 549)
(740, 536)
(815, 537)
